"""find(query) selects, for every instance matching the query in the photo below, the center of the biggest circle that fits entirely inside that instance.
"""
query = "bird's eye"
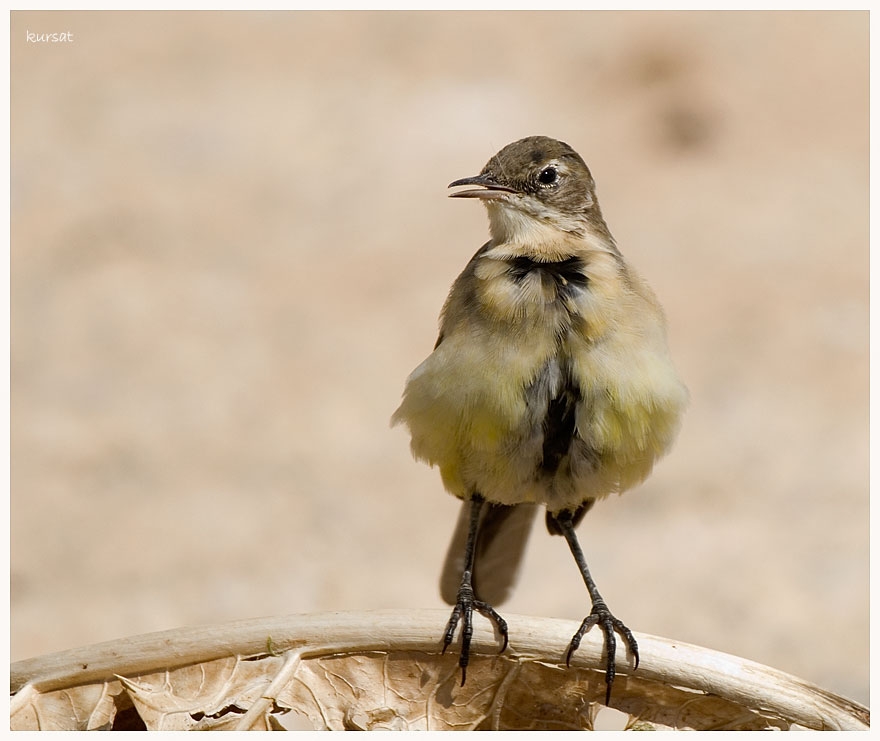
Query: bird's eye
(548, 176)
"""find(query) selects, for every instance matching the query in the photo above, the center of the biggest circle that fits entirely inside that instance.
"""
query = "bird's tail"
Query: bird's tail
(501, 542)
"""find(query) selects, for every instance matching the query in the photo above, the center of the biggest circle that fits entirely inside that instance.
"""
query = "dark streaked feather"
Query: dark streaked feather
(559, 427)
(554, 393)
(568, 275)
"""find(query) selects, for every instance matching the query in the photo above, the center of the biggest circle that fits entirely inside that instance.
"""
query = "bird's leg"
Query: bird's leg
(467, 601)
(600, 614)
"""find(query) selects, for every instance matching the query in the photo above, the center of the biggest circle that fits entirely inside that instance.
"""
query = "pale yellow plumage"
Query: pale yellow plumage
(550, 383)
(465, 405)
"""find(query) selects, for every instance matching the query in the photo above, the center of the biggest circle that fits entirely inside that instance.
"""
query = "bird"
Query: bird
(550, 384)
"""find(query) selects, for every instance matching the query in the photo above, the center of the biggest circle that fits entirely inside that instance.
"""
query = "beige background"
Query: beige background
(230, 243)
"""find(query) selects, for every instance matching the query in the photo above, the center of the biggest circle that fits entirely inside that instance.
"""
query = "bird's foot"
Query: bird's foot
(601, 615)
(464, 611)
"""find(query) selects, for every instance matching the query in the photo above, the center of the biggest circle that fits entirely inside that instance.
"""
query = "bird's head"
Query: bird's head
(536, 189)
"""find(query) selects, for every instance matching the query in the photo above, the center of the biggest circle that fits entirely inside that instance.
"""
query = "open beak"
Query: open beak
(493, 190)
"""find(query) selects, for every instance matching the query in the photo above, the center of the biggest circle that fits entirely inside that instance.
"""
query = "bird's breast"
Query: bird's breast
(540, 296)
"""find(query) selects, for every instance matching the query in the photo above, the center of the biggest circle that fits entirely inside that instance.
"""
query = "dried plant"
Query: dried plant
(384, 670)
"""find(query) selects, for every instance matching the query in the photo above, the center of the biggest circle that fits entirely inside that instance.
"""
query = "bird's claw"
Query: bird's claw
(601, 615)
(464, 611)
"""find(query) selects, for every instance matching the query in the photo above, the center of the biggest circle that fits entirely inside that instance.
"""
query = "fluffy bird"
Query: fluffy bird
(550, 383)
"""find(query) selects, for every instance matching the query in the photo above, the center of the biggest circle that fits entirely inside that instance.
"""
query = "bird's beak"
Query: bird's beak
(493, 190)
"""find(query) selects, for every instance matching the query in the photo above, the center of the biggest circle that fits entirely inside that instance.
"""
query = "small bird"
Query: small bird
(550, 383)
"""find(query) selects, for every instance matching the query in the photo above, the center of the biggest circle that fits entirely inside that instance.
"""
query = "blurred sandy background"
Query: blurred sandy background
(230, 244)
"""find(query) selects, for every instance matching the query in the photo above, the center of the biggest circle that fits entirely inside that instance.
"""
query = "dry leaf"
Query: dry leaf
(384, 671)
